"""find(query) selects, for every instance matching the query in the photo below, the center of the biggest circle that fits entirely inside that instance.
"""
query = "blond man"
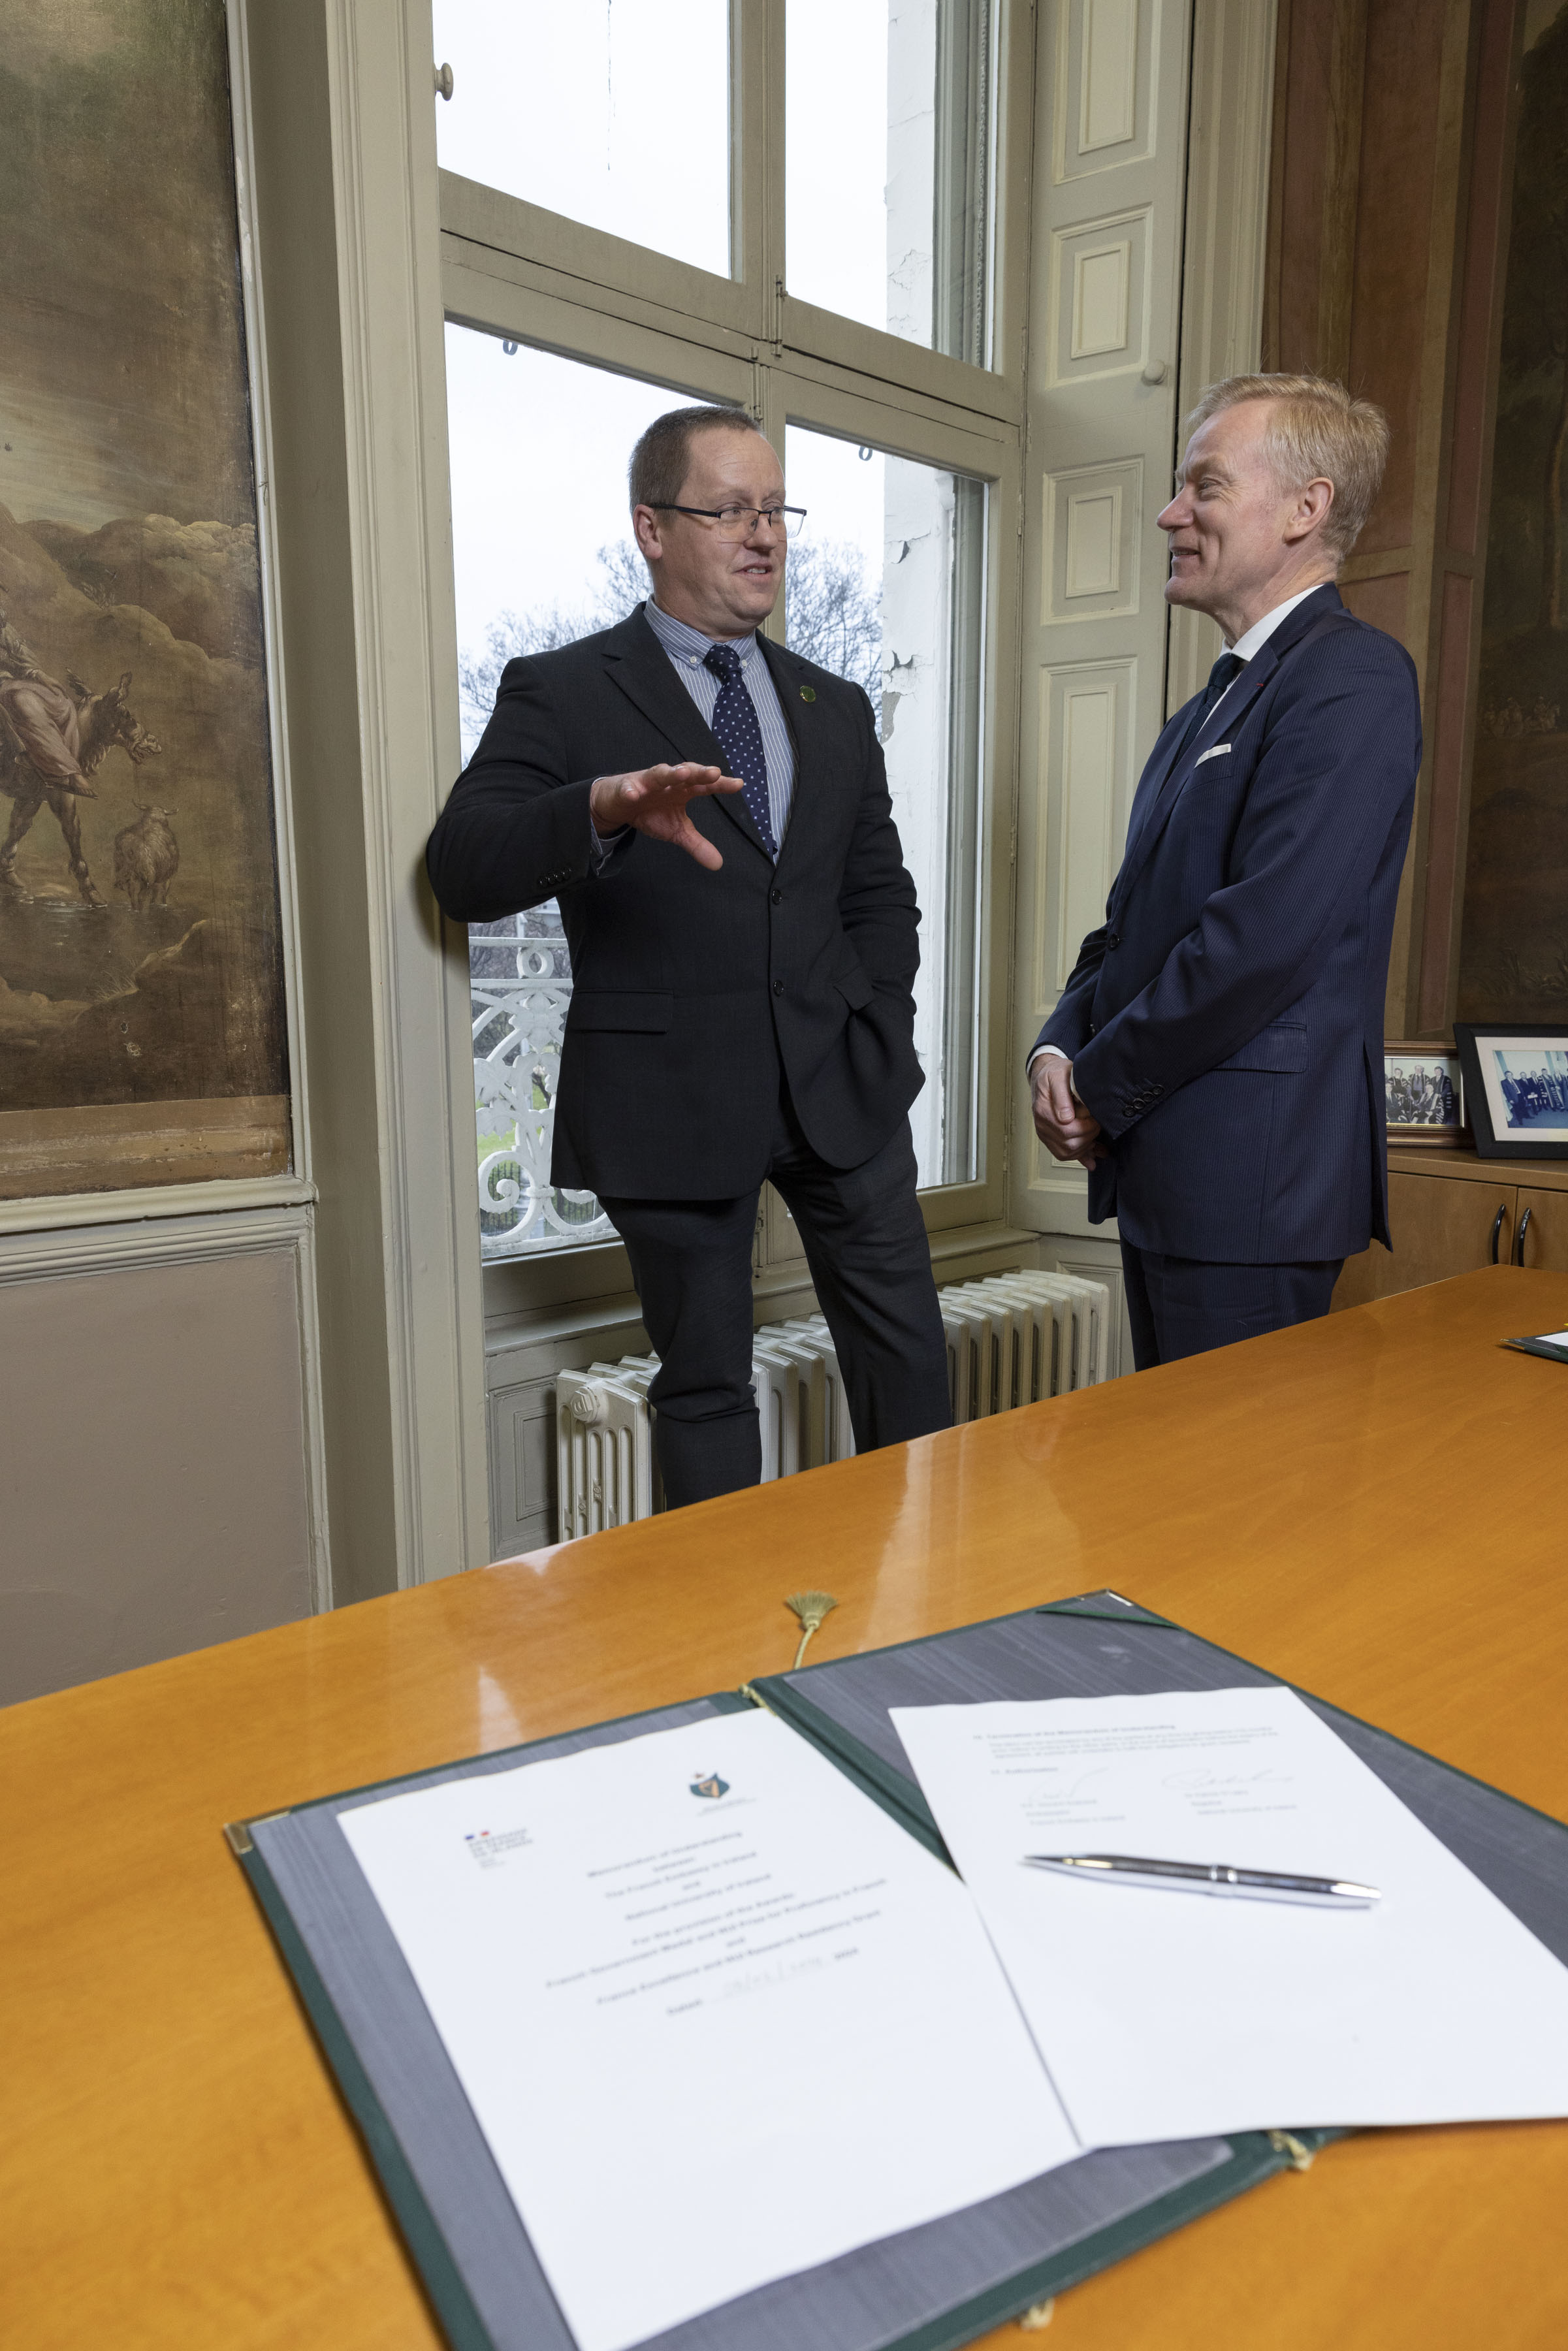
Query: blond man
(1216, 1060)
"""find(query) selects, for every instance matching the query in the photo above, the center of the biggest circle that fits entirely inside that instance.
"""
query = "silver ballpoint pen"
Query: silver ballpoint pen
(1208, 1877)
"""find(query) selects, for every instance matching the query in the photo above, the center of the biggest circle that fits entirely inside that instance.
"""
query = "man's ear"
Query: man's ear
(650, 539)
(1310, 509)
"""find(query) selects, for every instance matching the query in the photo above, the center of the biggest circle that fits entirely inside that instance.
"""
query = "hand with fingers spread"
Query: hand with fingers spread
(653, 801)
(1067, 1129)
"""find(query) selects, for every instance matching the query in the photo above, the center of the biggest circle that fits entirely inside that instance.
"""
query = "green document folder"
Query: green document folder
(1547, 1344)
(930, 2287)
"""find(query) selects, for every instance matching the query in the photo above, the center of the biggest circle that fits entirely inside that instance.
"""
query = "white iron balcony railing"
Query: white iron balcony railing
(519, 978)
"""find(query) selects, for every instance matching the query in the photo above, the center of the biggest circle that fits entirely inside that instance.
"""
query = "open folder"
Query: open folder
(950, 2277)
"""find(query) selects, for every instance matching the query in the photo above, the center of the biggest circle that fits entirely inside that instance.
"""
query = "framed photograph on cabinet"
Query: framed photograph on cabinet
(1423, 1095)
(1516, 1084)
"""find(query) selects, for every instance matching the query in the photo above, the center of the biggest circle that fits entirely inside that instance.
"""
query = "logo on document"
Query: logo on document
(489, 1849)
(712, 1786)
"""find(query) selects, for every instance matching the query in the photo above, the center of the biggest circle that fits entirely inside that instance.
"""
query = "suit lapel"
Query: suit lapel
(783, 669)
(636, 663)
(1187, 747)
(1152, 782)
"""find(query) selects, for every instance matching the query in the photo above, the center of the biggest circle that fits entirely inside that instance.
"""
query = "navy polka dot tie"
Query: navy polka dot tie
(739, 738)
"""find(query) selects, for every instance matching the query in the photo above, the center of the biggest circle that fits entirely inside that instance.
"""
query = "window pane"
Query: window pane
(615, 113)
(889, 588)
(542, 553)
(888, 158)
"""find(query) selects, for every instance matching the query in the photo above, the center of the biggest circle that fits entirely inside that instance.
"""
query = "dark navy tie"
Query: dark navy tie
(1226, 670)
(739, 738)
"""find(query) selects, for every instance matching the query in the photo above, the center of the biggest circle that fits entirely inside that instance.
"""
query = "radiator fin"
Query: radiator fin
(1012, 1339)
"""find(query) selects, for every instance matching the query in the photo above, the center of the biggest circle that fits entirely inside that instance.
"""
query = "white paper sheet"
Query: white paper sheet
(1173, 2015)
(720, 2017)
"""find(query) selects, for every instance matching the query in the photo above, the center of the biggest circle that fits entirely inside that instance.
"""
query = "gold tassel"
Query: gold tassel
(1287, 2144)
(810, 1607)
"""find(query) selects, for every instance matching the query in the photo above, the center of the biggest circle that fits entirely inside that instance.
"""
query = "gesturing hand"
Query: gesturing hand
(654, 801)
(1066, 1128)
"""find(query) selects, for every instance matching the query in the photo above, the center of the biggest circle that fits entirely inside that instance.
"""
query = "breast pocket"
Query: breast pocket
(1281, 1046)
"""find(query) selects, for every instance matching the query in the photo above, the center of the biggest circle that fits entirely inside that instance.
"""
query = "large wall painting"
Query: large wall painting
(1514, 953)
(142, 1017)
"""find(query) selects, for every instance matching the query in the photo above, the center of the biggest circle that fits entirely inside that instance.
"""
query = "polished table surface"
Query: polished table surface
(1372, 1506)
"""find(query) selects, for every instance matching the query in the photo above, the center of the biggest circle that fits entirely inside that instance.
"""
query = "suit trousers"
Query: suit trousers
(1181, 1306)
(866, 1248)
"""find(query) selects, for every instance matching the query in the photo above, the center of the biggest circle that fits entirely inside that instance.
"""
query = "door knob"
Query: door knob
(1497, 1231)
(1519, 1236)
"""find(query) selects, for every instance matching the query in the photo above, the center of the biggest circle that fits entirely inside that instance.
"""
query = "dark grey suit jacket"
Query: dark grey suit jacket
(692, 989)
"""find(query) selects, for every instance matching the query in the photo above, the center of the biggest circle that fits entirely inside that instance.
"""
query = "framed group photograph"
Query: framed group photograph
(1516, 1086)
(1423, 1095)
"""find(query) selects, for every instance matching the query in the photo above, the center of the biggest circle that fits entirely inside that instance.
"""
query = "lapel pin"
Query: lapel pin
(808, 694)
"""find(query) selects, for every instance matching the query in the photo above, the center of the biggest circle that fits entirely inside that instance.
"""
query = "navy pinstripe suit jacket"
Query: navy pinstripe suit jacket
(1226, 1021)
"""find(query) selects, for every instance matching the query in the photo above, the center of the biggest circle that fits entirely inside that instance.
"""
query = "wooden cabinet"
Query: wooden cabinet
(1546, 1236)
(1451, 1211)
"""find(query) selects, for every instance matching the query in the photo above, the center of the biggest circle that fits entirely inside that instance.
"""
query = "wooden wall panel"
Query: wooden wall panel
(1381, 601)
(1388, 212)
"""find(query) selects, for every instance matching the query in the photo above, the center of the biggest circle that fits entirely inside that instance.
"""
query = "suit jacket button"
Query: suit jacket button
(1113, 938)
(777, 897)
(777, 987)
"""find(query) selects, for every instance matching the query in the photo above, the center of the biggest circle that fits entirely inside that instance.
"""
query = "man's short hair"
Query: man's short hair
(1316, 431)
(662, 459)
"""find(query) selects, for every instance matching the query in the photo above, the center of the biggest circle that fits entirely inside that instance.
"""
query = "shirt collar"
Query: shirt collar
(1258, 634)
(684, 643)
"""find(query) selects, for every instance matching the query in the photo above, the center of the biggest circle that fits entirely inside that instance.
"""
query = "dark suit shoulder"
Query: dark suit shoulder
(794, 675)
(565, 665)
(1352, 652)
(827, 683)
(1351, 628)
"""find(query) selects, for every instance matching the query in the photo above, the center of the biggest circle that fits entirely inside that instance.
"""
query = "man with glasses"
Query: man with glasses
(711, 814)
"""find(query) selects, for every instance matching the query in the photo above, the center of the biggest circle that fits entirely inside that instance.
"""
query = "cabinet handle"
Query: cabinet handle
(1497, 1231)
(1519, 1236)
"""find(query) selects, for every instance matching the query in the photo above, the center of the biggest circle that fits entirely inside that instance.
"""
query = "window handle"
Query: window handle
(1519, 1236)
(1497, 1231)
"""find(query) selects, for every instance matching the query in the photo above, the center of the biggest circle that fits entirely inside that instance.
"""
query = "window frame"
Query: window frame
(511, 268)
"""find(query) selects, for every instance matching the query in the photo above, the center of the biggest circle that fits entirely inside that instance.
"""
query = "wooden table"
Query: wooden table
(1372, 1506)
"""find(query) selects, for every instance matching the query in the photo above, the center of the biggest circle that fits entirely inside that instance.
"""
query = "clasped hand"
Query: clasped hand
(653, 801)
(1066, 1128)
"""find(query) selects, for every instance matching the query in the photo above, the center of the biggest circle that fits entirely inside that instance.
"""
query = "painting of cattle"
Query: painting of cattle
(142, 1036)
(146, 859)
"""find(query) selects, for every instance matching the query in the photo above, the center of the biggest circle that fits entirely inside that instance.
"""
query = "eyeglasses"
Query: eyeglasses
(740, 522)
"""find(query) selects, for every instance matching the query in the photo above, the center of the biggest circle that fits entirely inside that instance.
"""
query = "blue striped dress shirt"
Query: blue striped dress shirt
(689, 648)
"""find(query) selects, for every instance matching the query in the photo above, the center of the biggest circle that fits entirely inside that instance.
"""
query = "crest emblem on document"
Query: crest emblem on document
(712, 1786)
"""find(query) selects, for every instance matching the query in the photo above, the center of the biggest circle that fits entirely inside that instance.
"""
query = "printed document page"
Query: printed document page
(1165, 2014)
(720, 2017)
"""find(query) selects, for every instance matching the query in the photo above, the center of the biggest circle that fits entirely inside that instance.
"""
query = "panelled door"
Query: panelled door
(1111, 148)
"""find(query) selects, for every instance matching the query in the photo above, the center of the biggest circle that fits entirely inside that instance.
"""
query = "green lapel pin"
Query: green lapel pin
(808, 694)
